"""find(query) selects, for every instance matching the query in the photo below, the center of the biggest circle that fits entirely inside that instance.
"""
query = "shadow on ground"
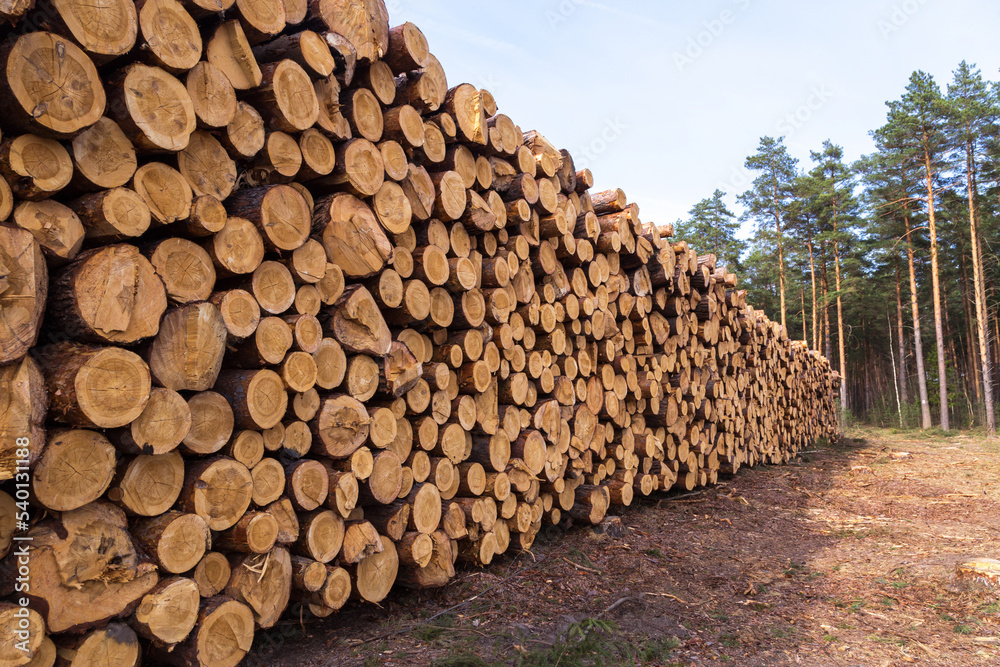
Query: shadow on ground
(844, 557)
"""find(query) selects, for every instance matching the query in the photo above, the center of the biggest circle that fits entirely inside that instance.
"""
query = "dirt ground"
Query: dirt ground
(845, 557)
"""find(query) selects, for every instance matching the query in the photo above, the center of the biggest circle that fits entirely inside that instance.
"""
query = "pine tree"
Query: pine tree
(834, 202)
(916, 124)
(769, 199)
(712, 228)
(890, 196)
(973, 116)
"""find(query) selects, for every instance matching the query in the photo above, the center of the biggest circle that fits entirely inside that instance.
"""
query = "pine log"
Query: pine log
(93, 386)
(38, 65)
(113, 644)
(113, 215)
(23, 292)
(80, 588)
(35, 168)
(355, 242)
(258, 397)
(148, 485)
(165, 191)
(103, 157)
(237, 249)
(56, 227)
(264, 583)
(212, 95)
(169, 612)
(175, 540)
(75, 469)
(152, 107)
(218, 490)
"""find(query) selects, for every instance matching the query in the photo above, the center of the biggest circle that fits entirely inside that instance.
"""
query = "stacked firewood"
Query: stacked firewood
(287, 320)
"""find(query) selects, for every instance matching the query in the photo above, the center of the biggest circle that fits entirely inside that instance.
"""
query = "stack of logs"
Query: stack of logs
(287, 320)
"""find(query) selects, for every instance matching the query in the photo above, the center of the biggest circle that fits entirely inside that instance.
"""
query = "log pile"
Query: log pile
(288, 320)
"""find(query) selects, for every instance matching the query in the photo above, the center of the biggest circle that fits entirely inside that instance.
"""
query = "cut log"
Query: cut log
(80, 588)
(306, 48)
(103, 156)
(148, 485)
(211, 423)
(212, 95)
(321, 536)
(23, 635)
(161, 427)
(165, 191)
(170, 35)
(109, 295)
(407, 48)
(319, 157)
(113, 215)
(273, 287)
(92, 386)
(258, 397)
(75, 469)
(229, 50)
(465, 105)
(364, 23)
(286, 97)
(187, 352)
(115, 644)
(331, 120)
(38, 67)
(238, 248)
(375, 575)
(185, 269)
(207, 167)
(280, 213)
(264, 583)
(169, 612)
(262, 19)
(254, 533)
(341, 427)
(335, 593)
(175, 540)
(307, 484)
(56, 228)
(240, 312)
(307, 575)
(218, 490)
(245, 135)
(358, 325)
(35, 168)
(152, 107)
(23, 292)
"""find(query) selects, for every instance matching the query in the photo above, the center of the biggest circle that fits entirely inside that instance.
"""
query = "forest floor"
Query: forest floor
(844, 557)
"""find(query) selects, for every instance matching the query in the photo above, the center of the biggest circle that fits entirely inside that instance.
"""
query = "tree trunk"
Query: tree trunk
(903, 385)
(918, 346)
(936, 291)
(980, 296)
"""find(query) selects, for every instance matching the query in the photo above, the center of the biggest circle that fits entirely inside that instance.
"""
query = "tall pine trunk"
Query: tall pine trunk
(972, 359)
(840, 318)
(936, 292)
(781, 265)
(827, 341)
(918, 345)
(812, 276)
(903, 391)
(805, 322)
(980, 290)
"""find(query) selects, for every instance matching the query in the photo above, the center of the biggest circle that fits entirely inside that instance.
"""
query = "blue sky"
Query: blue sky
(666, 99)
